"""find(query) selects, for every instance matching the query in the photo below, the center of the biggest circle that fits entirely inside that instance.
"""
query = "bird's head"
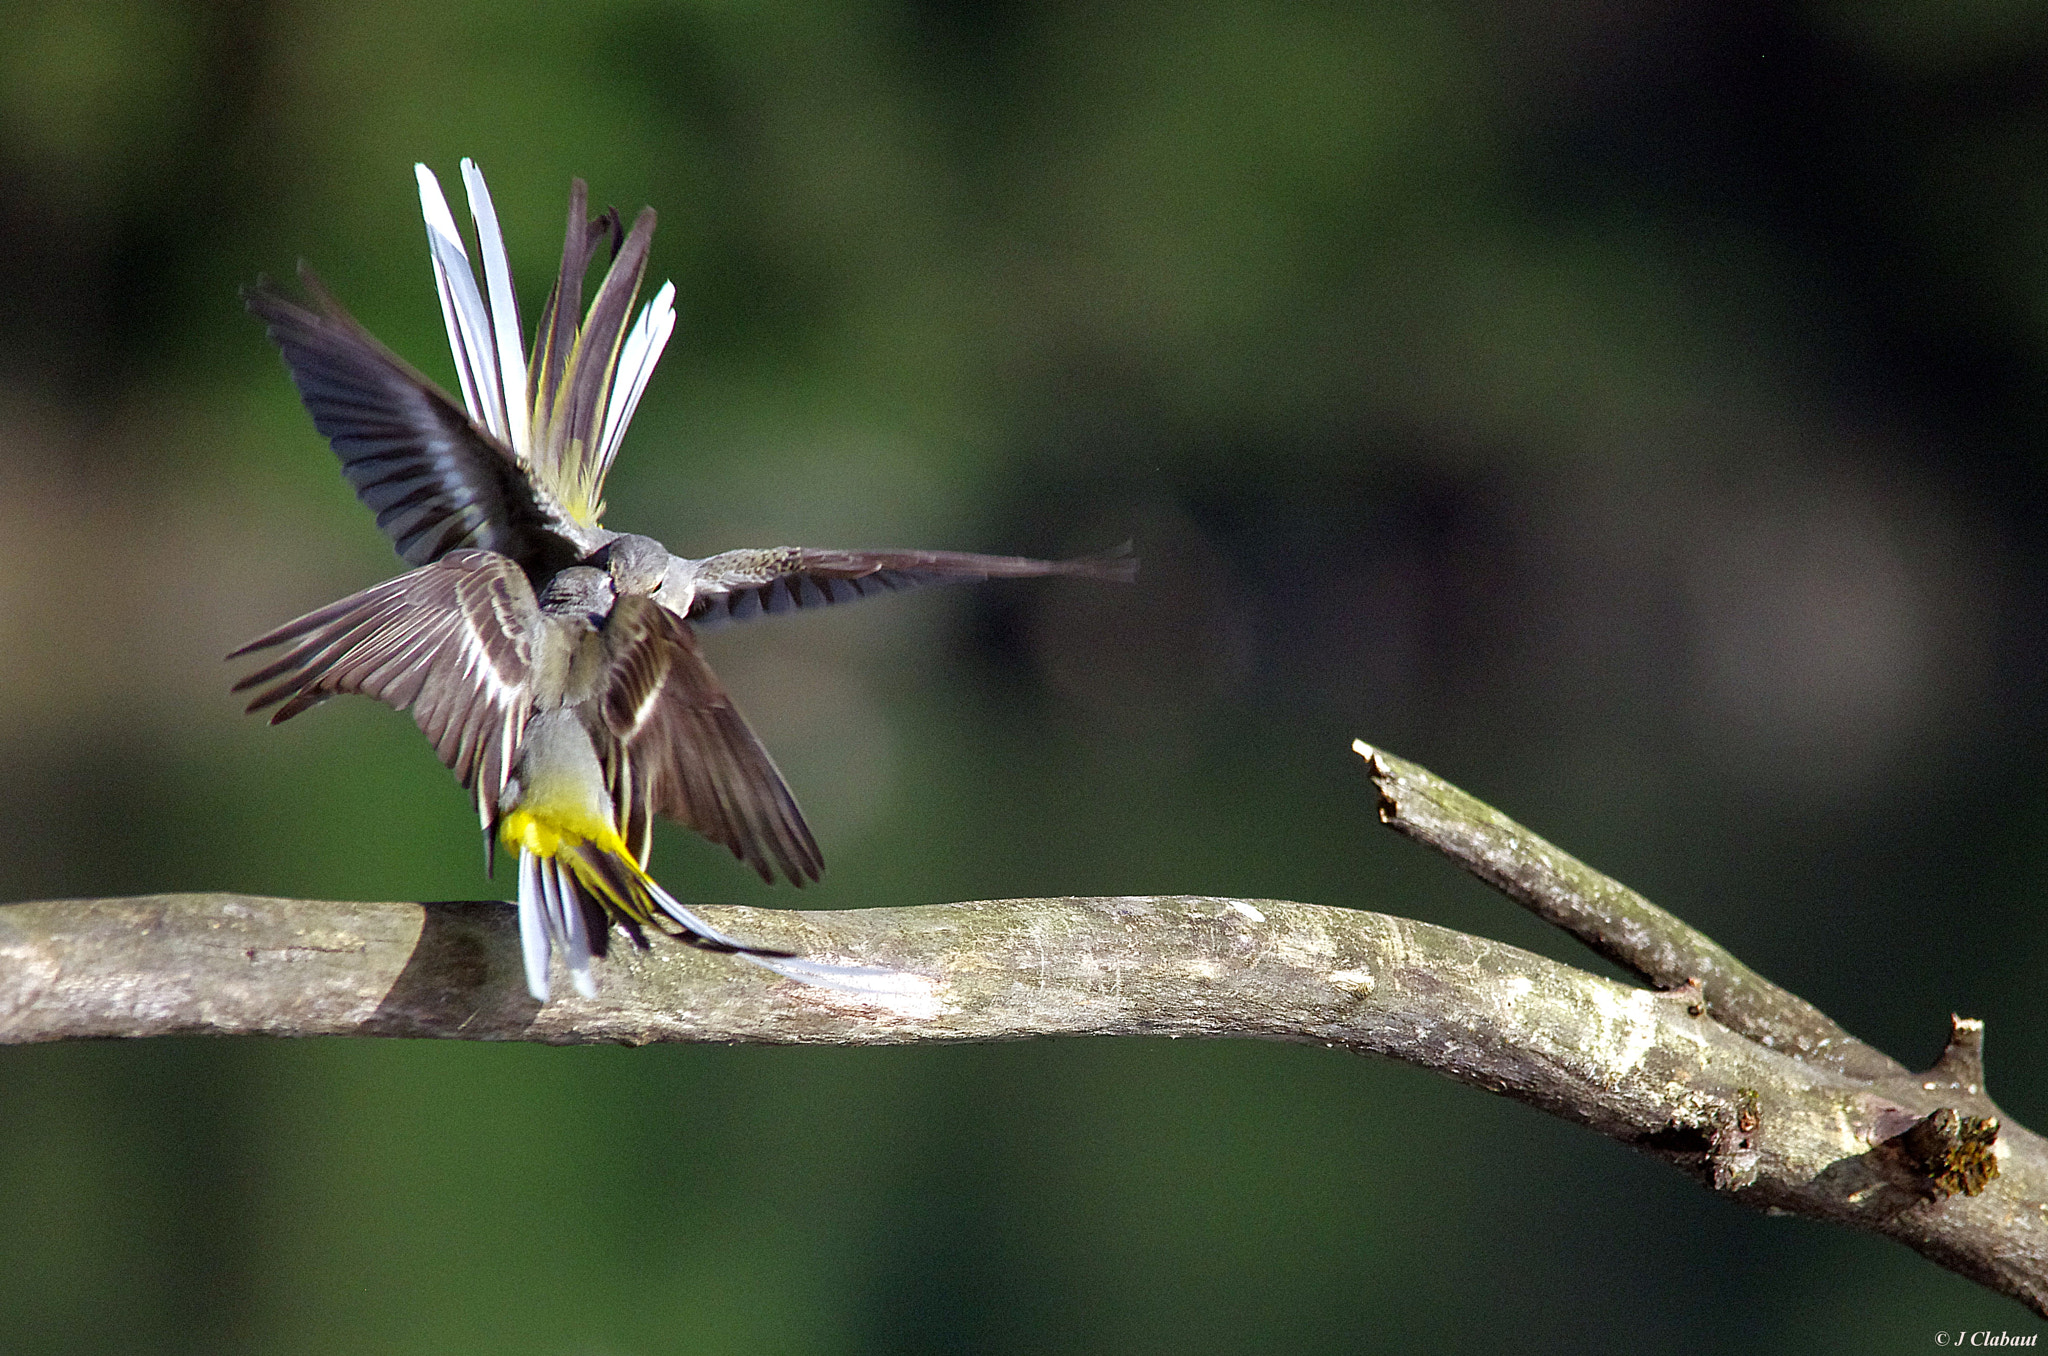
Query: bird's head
(636, 564)
(579, 591)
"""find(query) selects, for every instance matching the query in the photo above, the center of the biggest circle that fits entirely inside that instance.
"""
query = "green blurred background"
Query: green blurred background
(1630, 409)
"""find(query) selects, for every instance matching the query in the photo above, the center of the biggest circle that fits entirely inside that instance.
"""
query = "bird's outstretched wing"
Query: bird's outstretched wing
(454, 642)
(684, 750)
(436, 481)
(739, 585)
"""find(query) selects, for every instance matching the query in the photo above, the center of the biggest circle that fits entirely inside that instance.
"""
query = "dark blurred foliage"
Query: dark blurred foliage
(1629, 409)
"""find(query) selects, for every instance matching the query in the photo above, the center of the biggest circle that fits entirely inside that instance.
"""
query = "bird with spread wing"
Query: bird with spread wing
(551, 661)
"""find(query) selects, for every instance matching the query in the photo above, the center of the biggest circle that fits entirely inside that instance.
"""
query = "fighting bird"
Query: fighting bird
(553, 662)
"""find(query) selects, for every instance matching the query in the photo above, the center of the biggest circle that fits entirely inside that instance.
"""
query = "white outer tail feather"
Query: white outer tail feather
(533, 929)
(550, 916)
(462, 308)
(504, 308)
(857, 979)
(637, 357)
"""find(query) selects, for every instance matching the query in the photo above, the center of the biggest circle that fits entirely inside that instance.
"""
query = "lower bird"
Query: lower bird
(563, 712)
(551, 661)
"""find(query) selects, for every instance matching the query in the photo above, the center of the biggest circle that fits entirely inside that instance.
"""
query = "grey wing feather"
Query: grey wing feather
(452, 641)
(687, 752)
(741, 585)
(436, 481)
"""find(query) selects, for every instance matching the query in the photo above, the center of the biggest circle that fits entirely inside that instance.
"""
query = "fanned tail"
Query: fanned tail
(568, 899)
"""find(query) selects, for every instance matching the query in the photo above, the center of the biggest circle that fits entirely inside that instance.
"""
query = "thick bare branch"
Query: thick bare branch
(1648, 1069)
(1608, 916)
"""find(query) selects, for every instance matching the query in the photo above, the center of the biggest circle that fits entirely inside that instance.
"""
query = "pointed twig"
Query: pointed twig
(1961, 1066)
(1609, 917)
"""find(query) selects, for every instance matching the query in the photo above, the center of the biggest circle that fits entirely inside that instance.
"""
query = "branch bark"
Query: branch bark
(1723, 1075)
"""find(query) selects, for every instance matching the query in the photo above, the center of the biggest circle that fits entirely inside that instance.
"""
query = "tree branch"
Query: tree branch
(1730, 1079)
(1608, 916)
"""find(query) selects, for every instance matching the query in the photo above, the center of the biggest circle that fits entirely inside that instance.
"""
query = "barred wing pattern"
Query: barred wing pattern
(683, 750)
(436, 481)
(454, 642)
(741, 585)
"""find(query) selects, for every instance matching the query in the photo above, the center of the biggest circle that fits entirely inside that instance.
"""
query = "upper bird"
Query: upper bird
(550, 659)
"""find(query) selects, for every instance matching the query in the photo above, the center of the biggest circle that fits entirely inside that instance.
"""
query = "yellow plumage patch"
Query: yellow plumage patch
(547, 834)
(592, 849)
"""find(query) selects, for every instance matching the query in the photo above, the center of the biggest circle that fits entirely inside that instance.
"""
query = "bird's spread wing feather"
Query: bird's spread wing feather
(740, 585)
(685, 751)
(452, 641)
(436, 481)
